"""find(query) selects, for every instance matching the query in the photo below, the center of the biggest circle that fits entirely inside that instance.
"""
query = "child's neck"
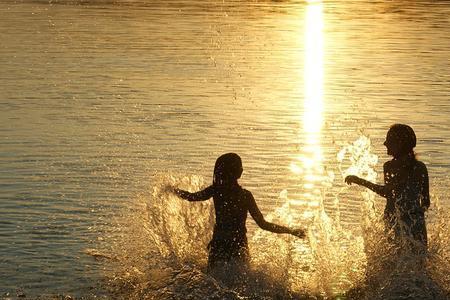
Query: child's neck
(229, 183)
(403, 157)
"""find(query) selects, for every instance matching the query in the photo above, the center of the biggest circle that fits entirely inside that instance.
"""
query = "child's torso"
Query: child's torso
(404, 178)
(230, 209)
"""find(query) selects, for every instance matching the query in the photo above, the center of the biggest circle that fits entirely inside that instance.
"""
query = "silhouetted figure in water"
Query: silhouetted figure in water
(405, 189)
(231, 204)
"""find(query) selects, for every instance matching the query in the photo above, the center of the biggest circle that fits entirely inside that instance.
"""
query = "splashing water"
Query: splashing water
(390, 272)
(159, 247)
(334, 259)
(160, 243)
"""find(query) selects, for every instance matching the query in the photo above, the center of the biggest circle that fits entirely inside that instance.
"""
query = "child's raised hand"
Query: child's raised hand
(351, 179)
(300, 233)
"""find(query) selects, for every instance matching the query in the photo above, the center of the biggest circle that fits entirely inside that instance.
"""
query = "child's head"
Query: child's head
(400, 140)
(228, 169)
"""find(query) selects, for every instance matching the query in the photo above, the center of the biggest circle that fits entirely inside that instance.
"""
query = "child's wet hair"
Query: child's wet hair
(228, 168)
(403, 135)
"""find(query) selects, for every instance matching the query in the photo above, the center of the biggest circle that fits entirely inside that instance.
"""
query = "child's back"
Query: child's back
(231, 204)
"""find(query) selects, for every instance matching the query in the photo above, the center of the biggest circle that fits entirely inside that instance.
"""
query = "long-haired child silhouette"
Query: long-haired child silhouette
(231, 204)
(405, 188)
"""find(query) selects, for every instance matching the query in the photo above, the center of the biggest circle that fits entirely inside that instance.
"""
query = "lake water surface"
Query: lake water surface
(101, 100)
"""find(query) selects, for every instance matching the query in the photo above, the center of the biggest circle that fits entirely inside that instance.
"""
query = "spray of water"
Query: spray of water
(391, 271)
(158, 247)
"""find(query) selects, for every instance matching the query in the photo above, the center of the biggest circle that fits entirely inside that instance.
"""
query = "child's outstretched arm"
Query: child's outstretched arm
(197, 196)
(381, 190)
(259, 219)
(390, 182)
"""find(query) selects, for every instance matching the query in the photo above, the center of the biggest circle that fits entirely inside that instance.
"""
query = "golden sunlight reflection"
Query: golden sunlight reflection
(308, 164)
(313, 76)
(311, 157)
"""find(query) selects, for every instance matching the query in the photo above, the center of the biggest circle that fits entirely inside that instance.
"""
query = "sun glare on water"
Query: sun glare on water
(313, 1)
(309, 162)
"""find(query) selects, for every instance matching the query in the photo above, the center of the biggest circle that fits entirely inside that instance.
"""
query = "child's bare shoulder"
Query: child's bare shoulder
(247, 193)
(421, 166)
(388, 165)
